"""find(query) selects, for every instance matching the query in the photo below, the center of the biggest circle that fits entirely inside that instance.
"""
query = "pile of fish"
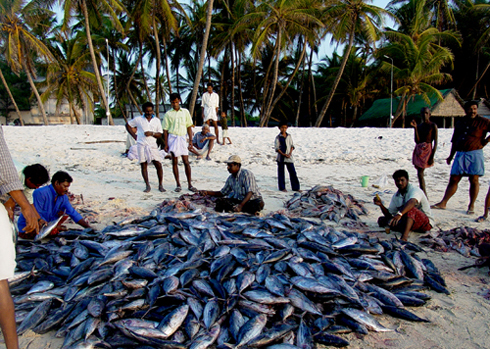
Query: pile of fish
(464, 240)
(201, 200)
(198, 280)
(325, 202)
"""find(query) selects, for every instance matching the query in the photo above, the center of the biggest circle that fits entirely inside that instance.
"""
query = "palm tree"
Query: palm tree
(7, 88)
(418, 63)
(92, 11)
(346, 18)
(68, 78)
(19, 44)
(202, 57)
(279, 23)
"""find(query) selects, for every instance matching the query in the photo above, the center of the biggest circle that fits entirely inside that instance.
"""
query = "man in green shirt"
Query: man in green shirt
(176, 123)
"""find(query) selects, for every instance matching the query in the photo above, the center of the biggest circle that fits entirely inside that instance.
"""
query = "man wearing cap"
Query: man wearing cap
(202, 142)
(240, 192)
(468, 140)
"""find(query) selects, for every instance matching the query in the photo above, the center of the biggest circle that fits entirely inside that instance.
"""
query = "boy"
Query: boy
(284, 148)
(148, 129)
(224, 127)
(31, 177)
(176, 123)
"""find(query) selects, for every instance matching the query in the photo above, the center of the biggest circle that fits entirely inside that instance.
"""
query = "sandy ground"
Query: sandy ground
(112, 189)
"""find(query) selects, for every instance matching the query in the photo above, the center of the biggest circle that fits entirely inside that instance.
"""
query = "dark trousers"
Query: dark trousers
(227, 205)
(292, 176)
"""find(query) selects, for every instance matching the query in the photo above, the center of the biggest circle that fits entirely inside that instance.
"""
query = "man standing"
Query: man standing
(467, 143)
(426, 139)
(176, 123)
(210, 105)
(203, 142)
(240, 192)
(148, 128)
(409, 208)
(9, 183)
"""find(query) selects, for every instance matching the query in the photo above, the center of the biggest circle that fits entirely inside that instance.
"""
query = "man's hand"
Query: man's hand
(377, 201)
(430, 162)
(42, 223)
(149, 133)
(203, 192)
(30, 215)
(413, 123)
(395, 220)
(287, 155)
(10, 212)
(165, 148)
(237, 208)
(448, 160)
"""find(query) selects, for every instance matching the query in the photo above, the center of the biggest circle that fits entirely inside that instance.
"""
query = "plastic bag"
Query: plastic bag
(381, 182)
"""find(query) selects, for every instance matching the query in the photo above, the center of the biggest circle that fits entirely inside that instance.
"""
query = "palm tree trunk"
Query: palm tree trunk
(167, 68)
(337, 79)
(243, 117)
(296, 120)
(157, 74)
(94, 62)
(291, 77)
(201, 58)
(36, 93)
(233, 69)
(222, 80)
(77, 117)
(11, 98)
(148, 94)
(267, 110)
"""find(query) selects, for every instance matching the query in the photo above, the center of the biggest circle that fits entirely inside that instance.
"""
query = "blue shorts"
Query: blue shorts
(468, 163)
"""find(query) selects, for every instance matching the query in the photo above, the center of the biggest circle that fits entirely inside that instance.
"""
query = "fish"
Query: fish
(365, 319)
(47, 229)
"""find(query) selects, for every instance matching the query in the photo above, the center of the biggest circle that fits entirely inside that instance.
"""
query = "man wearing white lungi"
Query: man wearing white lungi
(9, 183)
(176, 123)
(210, 104)
(148, 129)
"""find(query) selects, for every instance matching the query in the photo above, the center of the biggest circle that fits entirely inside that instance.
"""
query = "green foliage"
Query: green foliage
(19, 87)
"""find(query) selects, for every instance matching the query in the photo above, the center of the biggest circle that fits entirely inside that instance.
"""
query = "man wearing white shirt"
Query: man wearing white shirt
(148, 129)
(210, 105)
(409, 209)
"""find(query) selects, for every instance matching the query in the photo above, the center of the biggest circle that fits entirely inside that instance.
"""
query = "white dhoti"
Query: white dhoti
(7, 246)
(147, 153)
(210, 114)
(133, 153)
(130, 141)
(202, 151)
(178, 145)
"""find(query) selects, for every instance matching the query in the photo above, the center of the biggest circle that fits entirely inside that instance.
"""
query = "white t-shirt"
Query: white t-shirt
(399, 200)
(143, 125)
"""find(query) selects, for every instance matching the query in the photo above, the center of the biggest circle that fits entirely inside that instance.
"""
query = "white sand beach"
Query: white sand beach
(112, 189)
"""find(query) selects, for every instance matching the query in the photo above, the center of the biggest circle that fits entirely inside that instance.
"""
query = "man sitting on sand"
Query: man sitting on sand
(202, 143)
(51, 202)
(409, 208)
(240, 192)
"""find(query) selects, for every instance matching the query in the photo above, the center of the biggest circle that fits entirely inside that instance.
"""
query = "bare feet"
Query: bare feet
(439, 206)
(161, 188)
(284, 190)
(470, 211)
(148, 189)
(481, 219)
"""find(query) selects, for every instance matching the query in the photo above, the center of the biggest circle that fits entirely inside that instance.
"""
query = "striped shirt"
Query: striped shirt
(9, 178)
(176, 122)
(237, 187)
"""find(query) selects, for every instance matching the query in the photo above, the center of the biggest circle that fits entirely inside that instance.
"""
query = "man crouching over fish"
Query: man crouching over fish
(409, 208)
(240, 192)
(51, 202)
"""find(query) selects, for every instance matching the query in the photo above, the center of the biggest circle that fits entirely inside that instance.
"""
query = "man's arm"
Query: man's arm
(408, 206)
(130, 130)
(451, 155)
(413, 123)
(189, 134)
(434, 147)
(218, 193)
(28, 211)
(165, 138)
(383, 208)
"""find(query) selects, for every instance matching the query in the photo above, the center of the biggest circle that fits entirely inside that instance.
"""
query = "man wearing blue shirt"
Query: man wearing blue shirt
(51, 202)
